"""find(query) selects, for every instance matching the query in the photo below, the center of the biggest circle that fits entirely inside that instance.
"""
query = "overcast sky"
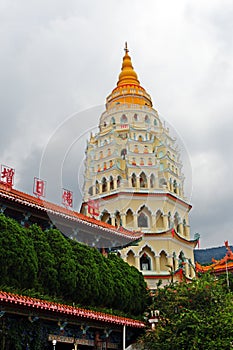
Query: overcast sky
(60, 59)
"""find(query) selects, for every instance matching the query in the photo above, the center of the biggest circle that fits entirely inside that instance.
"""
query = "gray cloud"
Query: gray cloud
(58, 58)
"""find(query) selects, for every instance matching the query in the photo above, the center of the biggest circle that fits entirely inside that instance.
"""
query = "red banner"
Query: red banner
(7, 175)
(93, 207)
(39, 187)
(67, 198)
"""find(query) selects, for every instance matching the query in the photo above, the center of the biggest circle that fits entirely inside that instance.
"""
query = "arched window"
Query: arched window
(152, 181)
(113, 121)
(104, 184)
(129, 218)
(134, 180)
(159, 220)
(149, 161)
(118, 181)
(141, 161)
(140, 138)
(97, 188)
(142, 220)
(111, 183)
(105, 217)
(155, 122)
(135, 117)
(175, 186)
(110, 163)
(176, 221)
(105, 165)
(134, 161)
(145, 262)
(143, 180)
(90, 191)
(124, 119)
(123, 153)
(118, 218)
(101, 154)
(162, 182)
(147, 119)
(109, 151)
(135, 149)
(146, 149)
(163, 261)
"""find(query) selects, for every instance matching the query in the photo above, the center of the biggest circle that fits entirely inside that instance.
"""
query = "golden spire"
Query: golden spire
(127, 76)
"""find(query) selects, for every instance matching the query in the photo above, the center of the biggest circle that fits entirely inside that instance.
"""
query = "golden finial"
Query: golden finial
(126, 47)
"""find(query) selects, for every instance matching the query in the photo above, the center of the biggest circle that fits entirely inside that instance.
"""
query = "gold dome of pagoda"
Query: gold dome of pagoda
(128, 90)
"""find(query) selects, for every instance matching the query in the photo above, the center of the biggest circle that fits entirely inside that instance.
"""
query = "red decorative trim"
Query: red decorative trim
(32, 303)
(39, 204)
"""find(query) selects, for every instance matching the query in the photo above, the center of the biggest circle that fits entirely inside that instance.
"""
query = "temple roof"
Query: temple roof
(218, 266)
(15, 198)
(37, 305)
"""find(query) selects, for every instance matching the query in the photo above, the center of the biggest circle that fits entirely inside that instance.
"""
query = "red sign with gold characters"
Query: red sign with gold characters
(93, 207)
(67, 198)
(7, 175)
(39, 187)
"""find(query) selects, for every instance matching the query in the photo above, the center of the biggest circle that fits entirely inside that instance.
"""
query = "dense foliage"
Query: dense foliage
(53, 265)
(195, 315)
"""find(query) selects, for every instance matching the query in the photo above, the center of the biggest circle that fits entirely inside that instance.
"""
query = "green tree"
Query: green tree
(196, 315)
(18, 259)
(47, 277)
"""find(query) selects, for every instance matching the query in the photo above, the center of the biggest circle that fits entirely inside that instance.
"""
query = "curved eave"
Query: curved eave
(29, 201)
(173, 234)
(37, 305)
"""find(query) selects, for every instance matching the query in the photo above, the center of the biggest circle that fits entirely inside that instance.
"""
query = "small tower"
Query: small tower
(134, 172)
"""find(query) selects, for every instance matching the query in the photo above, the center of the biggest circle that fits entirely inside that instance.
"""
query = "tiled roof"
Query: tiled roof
(42, 305)
(51, 208)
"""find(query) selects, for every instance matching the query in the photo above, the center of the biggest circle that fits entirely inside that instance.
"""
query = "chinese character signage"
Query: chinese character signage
(39, 187)
(7, 175)
(67, 198)
(93, 207)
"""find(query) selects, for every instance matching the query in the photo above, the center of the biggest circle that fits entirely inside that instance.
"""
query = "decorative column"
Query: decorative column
(113, 220)
(165, 221)
(176, 260)
(135, 221)
(187, 269)
(181, 228)
(123, 220)
(108, 186)
(137, 262)
(115, 184)
(153, 221)
(187, 231)
(157, 263)
(138, 182)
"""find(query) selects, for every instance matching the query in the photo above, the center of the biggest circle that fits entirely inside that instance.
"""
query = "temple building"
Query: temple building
(218, 267)
(134, 177)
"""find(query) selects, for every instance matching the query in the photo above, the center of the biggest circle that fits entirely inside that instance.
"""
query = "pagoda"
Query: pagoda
(133, 175)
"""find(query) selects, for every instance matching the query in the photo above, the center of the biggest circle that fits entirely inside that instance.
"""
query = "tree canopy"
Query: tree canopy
(196, 315)
(51, 264)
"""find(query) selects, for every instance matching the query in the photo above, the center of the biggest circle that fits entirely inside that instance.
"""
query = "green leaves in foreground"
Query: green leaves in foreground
(197, 315)
(50, 264)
